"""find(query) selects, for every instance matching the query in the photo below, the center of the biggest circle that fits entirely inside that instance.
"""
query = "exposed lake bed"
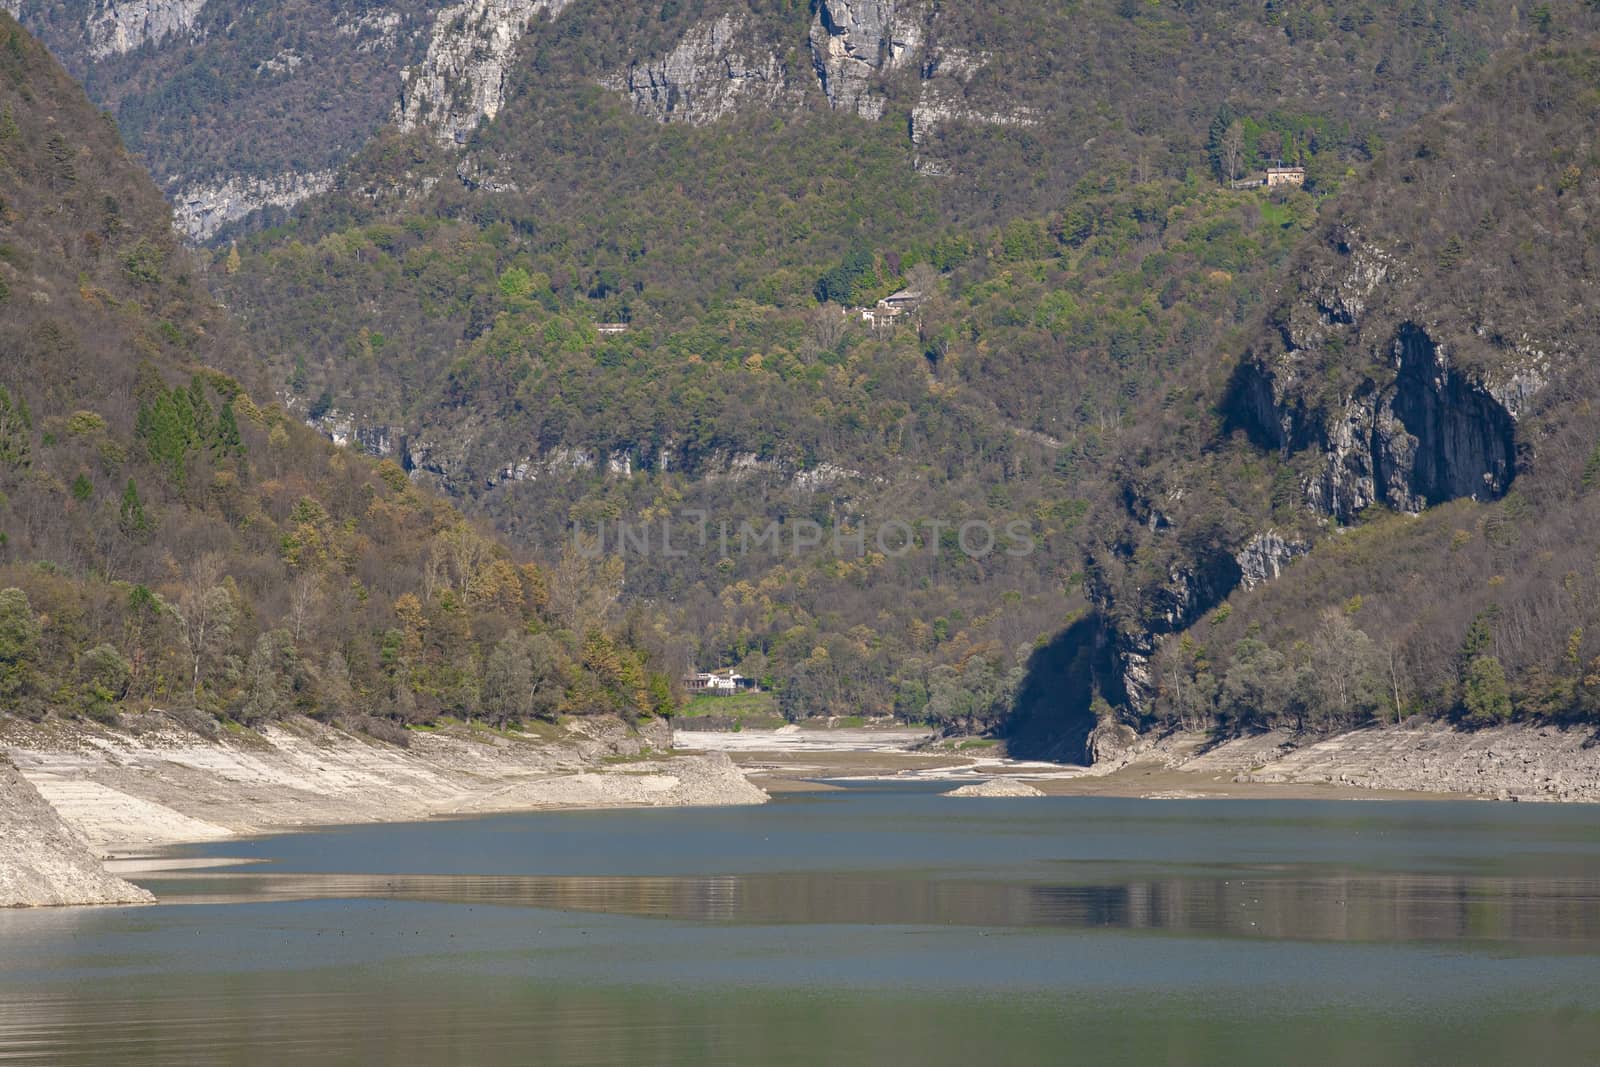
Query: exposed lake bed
(899, 898)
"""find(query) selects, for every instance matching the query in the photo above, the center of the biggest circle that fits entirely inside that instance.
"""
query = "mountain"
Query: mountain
(1387, 506)
(171, 537)
(588, 265)
(238, 107)
(1080, 256)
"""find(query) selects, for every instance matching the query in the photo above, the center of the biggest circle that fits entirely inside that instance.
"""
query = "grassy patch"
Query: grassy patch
(737, 705)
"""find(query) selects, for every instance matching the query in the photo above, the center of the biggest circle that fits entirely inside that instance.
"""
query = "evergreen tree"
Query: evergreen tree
(1485, 692)
(16, 424)
(200, 406)
(1216, 140)
(19, 647)
(131, 518)
(225, 439)
(166, 426)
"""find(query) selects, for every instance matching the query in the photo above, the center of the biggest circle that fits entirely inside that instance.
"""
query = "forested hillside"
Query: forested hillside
(1416, 413)
(716, 183)
(236, 106)
(170, 537)
(1061, 204)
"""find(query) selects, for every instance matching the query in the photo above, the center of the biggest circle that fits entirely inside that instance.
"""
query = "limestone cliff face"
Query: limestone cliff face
(725, 64)
(717, 67)
(1416, 429)
(462, 78)
(200, 211)
(1264, 557)
(465, 461)
(119, 26)
(1360, 381)
(1194, 579)
(852, 41)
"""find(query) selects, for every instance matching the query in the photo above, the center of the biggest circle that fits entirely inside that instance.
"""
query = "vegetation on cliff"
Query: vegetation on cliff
(171, 537)
(1418, 405)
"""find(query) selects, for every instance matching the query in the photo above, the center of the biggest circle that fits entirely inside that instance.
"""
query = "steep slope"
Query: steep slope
(42, 862)
(441, 306)
(166, 539)
(235, 107)
(1414, 418)
(238, 107)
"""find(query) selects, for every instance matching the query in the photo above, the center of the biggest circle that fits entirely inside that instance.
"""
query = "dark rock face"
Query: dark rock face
(1459, 440)
(1429, 435)
(1351, 375)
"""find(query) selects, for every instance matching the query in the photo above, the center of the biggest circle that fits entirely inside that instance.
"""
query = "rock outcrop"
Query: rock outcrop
(462, 78)
(120, 26)
(199, 212)
(44, 863)
(1430, 434)
(1264, 557)
(349, 430)
(1112, 744)
(717, 67)
(996, 787)
(852, 41)
(1412, 429)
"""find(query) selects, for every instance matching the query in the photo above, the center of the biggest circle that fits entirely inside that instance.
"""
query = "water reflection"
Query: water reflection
(862, 929)
(1309, 906)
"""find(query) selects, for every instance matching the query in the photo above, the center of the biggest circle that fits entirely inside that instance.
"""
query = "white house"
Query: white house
(717, 683)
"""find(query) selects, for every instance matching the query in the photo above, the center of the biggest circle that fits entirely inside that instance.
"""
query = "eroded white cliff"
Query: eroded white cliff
(200, 210)
(462, 78)
(717, 67)
(119, 26)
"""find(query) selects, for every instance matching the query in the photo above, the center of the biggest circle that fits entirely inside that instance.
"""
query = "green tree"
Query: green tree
(16, 426)
(226, 441)
(1259, 684)
(1485, 692)
(131, 518)
(103, 678)
(19, 649)
(166, 427)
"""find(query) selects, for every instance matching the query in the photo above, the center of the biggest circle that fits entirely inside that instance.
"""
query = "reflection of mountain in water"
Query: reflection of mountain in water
(1311, 906)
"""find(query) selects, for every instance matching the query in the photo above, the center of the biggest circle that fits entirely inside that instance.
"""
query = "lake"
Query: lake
(876, 924)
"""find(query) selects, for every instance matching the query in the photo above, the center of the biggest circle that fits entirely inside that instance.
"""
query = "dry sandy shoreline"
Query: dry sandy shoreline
(1410, 761)
(80, 794)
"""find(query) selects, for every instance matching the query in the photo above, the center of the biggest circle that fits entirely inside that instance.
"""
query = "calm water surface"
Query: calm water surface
(877, 925)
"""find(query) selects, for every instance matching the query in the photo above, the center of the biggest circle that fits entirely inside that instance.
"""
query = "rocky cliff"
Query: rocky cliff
(118, 28)
(716, 68)
(1405, 426)
(853, 41)
(1408, 437)
(462, 79)
(200, 211)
